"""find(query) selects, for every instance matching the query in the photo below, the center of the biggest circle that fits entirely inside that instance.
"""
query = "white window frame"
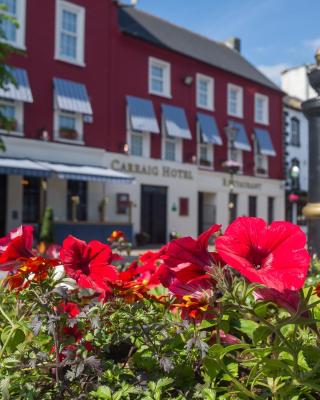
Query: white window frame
(166, 77)
(209, 147)
(19, 112)
(239, 157)
(21, 29)
(146, 137)
(265, 111)
(239, 111)
(80, 11)
(210, 99)
(178, 144)
(265, 162)
(79, 127)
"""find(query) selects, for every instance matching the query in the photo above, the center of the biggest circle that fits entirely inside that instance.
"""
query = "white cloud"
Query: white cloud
(273, 72)
(314, 44)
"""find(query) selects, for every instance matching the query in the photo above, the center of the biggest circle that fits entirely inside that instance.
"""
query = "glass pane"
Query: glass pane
(67, 122)
(203, 153)
(170, 150)
(68, 45)
(137, 145)
(203, 86)
(203, 99)
(77, 188)
(69, 21)
(31, 199)
(8, 111)
(157, 85)
(9, 30)
(11, 6)
(157, 72)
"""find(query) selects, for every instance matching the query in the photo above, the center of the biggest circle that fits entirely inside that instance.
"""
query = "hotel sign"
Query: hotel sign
(151, 170)
(243, 185)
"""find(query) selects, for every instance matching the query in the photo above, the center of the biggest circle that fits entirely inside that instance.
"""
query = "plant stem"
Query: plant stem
(6, 316)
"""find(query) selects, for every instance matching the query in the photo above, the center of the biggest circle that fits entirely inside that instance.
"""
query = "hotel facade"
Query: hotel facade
(119, 120)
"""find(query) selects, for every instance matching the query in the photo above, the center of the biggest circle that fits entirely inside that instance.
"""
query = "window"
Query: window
(252, 206)
(183, 206)
(12, 113)
(70, 21)
(159, 77)
(77, 201)
(14, 35)
(235, 100)
(31, 199)
(295, 132)
(204, 92)
(261, 109)
(205, 155)
(68, 127)
(170, 150)
(270, 209)
(236, 155)
(261, 164)
(137, 144)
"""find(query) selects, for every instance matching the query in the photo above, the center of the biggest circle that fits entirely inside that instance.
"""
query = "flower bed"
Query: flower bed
(181, 323)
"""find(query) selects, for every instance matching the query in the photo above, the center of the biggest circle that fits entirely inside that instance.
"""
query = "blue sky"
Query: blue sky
(275, 34)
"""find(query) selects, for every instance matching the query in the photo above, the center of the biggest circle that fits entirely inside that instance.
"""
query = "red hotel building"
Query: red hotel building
(107, 93)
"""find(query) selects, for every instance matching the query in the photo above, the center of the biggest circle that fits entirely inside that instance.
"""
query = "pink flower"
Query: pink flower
(273, 255)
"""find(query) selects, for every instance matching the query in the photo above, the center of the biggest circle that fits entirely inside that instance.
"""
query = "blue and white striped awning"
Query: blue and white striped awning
(72, 96)
(87, 173)
(264, 142)
(242, 141)
(175, 121)
(17, 166)
(142, 115)
(20, 90)
(208, 129)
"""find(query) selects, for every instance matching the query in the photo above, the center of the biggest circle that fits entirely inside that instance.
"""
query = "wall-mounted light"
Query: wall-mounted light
(188, 80)
(44, 134)
(174, 207)
(24, 182)
(126, 148)
(194, 159)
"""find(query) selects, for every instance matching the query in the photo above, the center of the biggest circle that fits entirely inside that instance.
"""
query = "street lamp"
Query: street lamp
(231, 166)
(295, 186)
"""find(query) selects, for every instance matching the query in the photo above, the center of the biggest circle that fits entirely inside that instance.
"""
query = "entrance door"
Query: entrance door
(206, 211)
(154, 212)
(3, 204)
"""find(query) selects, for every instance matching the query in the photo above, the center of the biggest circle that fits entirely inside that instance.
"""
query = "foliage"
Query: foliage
(65, 333)
(46, 233)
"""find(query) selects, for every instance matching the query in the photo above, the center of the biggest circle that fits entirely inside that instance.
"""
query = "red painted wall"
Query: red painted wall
(116, 66)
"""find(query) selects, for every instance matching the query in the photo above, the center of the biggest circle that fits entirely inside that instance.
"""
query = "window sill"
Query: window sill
(235, 115)
(70, 61)
(11, 133)
(69, 141)
(166, 95)
(18, 46)
(209, 108)
(265, 123)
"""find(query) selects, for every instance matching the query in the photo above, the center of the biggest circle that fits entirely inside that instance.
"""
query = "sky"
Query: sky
(275, 34)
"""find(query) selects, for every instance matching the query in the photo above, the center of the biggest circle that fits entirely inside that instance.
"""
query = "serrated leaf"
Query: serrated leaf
(5, 385)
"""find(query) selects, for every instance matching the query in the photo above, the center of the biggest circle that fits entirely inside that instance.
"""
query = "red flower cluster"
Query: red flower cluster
(116, 236)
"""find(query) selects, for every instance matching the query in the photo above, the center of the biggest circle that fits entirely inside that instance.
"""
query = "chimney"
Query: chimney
(234, 43)
(126, 3)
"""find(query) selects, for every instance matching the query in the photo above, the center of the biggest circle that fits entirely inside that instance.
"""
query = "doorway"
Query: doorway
(154, 212)
(3, 204)
(206, 211)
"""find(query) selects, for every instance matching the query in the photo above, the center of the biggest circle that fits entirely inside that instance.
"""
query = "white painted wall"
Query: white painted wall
(294, 81)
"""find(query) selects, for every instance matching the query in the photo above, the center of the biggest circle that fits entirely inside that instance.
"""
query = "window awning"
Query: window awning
(72, 96)
(21, 91)
(15, 166)
(87, 173)
(142, 115)
(242, 141)
(264, 142)
(176, 123)
(208, 129)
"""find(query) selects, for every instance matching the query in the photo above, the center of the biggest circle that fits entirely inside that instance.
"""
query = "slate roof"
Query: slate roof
(165, 34)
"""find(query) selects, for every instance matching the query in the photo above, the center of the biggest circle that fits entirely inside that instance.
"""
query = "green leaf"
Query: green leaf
(211, 367)
(246, 326)
(11, 337)
(260, 334)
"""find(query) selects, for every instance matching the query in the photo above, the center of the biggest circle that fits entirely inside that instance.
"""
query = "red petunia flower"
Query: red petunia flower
(70, 308)
(289, 299)
(18, 244)
(273, 255)
(89, 264)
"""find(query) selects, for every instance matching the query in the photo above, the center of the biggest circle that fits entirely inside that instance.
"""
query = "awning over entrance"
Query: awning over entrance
(87, 173)
(14, 166)
(21, 91)
(264, 142)
(242, 141)
(208, 129)
(176, 123)
(142, 115)
(72, 96)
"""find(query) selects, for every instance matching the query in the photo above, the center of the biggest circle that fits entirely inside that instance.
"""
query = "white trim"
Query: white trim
(239, 111)
(166, 77)
(21, 29)
(146, 138)
(80, 35)
(210, 98)
(265, 111)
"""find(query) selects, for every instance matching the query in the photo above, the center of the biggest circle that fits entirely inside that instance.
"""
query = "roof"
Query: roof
(167, 35)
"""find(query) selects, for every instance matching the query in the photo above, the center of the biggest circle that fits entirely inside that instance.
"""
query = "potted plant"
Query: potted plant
(261, 171)
(68, 133)
(8, 124)
(205, 163)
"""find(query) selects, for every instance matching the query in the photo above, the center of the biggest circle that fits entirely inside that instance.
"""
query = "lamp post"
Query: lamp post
(311, 109)
(231, 166)
(295, 186)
